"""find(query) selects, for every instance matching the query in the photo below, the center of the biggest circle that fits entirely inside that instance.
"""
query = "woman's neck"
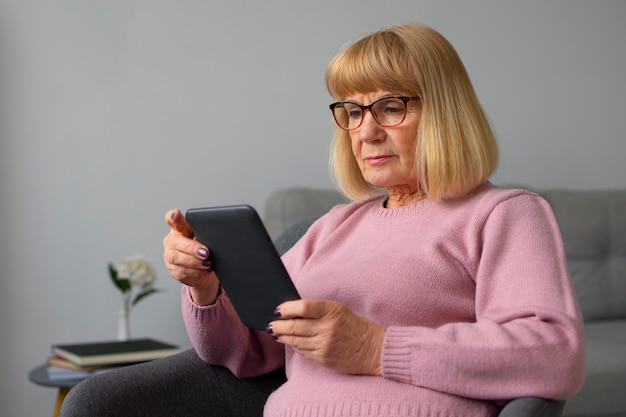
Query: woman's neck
(401, 196)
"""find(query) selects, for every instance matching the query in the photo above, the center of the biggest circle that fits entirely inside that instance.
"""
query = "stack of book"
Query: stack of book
(81, 360)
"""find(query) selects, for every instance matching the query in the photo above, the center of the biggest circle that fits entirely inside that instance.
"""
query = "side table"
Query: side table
(39, 376)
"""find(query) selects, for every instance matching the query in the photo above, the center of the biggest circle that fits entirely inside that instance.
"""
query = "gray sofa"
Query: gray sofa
(593, 225)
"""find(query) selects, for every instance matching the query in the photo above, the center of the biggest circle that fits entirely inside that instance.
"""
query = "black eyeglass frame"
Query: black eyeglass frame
(405, 100)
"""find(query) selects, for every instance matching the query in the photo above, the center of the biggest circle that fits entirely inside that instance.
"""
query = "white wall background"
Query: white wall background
(113, 111)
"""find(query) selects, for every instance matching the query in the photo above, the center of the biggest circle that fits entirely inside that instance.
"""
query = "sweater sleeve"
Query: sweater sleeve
(219, 338)
(527, 337)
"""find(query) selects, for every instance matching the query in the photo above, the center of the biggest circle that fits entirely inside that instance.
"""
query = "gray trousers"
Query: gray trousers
(183, 385)
(180, 385)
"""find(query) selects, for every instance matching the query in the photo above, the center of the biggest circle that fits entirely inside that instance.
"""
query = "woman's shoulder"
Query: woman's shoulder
(484, 199)
(490, 194)
(488, 199)
(327, 224)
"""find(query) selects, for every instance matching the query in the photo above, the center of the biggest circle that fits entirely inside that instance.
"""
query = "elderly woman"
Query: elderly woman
(433, 293)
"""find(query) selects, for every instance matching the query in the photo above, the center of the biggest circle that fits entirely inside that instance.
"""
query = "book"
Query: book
(114, 352)
(60, 362)
(57, 373)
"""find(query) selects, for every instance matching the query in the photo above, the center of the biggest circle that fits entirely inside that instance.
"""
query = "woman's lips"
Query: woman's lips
(376, 160)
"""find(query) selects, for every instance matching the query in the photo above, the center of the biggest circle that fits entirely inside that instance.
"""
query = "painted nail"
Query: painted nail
(269, 329)
(208, 264)
(277, 312)
(203, 253)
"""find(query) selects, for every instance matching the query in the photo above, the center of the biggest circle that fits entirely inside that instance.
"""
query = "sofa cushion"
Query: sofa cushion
(605, 383)
(286, 207)
(593, 226)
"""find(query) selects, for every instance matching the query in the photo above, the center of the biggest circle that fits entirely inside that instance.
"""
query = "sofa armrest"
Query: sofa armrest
(532, 407)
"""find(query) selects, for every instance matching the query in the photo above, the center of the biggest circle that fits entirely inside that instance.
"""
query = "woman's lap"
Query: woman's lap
(181, 385)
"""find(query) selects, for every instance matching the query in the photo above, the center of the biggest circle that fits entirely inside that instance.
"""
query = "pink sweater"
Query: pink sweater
(474, 294)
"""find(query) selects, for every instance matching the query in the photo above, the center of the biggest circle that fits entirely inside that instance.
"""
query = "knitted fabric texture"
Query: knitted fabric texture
(474, 294)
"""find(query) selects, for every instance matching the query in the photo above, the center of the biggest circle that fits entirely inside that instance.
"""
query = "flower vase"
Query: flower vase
(123, 325)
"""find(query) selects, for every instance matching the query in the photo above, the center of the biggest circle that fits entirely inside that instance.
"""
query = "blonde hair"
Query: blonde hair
(456, 150)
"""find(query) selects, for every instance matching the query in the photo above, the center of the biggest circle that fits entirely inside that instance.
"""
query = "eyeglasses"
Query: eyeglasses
(387, 112)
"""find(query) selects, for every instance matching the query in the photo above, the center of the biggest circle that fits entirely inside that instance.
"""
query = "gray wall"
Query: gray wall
(113, 111)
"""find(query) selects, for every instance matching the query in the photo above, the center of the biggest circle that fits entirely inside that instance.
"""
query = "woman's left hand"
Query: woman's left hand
(328, 333)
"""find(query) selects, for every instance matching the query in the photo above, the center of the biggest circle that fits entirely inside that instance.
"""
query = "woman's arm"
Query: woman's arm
(527, 338)
(219, 338)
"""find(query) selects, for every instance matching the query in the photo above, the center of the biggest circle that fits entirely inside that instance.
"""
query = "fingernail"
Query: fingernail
(208, 264)
(203, 252)
(269, 329)
(277, 312)
(173, 215)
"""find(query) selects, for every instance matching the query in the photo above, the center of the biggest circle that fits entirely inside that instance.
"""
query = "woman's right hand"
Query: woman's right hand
(187, 260)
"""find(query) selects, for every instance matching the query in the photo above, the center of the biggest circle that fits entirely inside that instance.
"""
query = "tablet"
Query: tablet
(245, 261)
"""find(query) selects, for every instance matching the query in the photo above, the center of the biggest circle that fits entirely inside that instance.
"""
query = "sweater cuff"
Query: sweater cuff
(200, 313)
(397, 355)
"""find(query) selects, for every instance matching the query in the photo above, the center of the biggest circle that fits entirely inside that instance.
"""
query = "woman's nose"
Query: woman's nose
(370, 130)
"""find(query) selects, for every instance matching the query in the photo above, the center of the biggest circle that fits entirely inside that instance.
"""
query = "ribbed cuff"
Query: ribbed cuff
(398, 353)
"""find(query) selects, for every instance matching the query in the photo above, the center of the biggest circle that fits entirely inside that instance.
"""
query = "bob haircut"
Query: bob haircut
(456, 149)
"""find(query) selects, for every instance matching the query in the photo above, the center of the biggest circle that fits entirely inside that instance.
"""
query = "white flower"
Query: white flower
(138, 270)
(134, 277)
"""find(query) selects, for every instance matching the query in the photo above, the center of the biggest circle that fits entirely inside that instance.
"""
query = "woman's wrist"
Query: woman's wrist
(205, 296)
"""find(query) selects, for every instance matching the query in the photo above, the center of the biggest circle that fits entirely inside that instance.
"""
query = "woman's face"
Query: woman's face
(386, 155)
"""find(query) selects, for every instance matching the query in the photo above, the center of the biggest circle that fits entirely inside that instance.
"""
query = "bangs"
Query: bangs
(377, 62)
